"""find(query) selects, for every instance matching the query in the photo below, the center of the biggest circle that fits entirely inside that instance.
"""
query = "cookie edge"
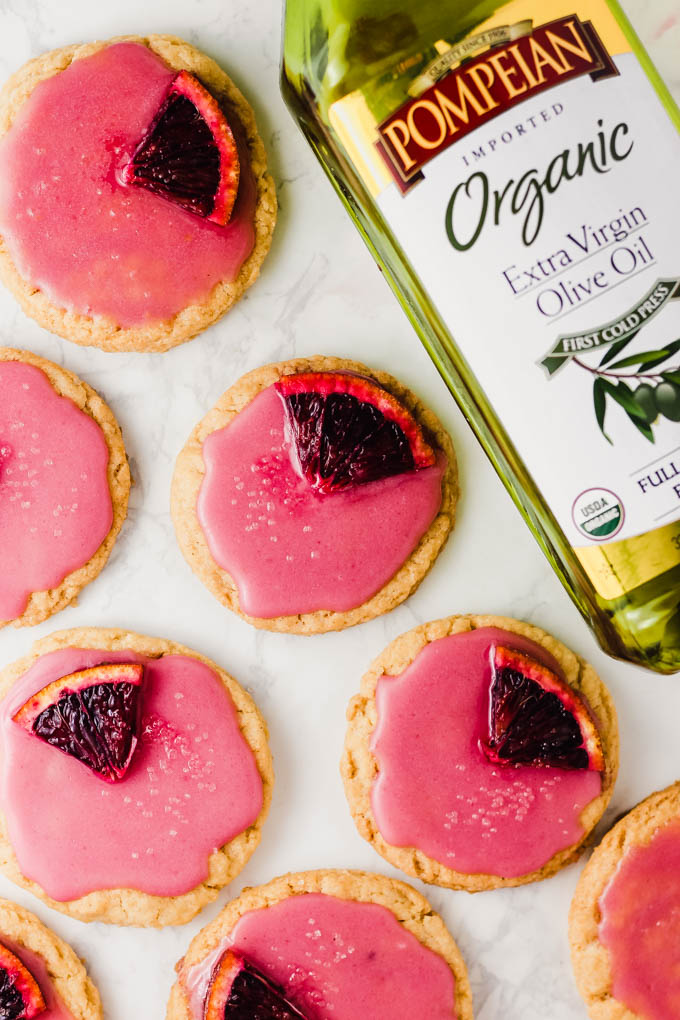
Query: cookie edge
(43, 604)
(131, 906)
(410, 908)
(67, 972)
(97, 331)
(190, 469)
(358, 766)
(590, 959)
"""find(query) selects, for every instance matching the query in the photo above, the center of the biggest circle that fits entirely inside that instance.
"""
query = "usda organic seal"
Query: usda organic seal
(598, 513)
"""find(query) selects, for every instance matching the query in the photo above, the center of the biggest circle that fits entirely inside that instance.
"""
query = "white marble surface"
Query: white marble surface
(319, 292)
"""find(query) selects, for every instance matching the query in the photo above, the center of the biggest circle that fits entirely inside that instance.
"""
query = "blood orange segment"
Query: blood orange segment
(536, 718)
(189, 154)
(91, 715)
(238, 991)
(347, 430)
(20, 995)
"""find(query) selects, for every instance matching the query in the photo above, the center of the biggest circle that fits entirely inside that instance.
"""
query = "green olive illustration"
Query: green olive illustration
(644, 397)
(667, 399)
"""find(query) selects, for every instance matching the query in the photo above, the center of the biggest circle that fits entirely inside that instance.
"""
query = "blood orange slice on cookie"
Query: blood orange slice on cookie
(189, 154)
(91, 715)
(20, 995)
(238, 991)
(347, 430)
(536, 718)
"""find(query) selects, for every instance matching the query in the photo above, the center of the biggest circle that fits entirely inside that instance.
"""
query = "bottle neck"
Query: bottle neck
(333, 47)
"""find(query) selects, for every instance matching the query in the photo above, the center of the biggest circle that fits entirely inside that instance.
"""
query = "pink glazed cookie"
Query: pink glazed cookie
(155, 842)
(64, 486)
(346, 944)
(97, 260)
(624, 923)
(55, 974)
(426, 787)
(292, 554)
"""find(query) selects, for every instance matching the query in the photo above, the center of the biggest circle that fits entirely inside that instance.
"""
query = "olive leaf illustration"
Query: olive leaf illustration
(616, 349)
(654, 393)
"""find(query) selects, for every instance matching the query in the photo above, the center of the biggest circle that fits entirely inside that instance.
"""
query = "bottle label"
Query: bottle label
(529, 174)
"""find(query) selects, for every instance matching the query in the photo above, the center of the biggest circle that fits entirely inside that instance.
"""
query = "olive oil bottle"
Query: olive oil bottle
(513, 168)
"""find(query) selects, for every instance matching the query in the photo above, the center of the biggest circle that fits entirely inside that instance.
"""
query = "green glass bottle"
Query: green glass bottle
(512, 168)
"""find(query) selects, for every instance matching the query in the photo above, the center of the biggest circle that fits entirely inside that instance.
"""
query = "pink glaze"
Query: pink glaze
(336, 958)
(437, 791)
(192, 786)
(56, 1010)
(640, 926)
(55, 502)
(289, 549)
(92, 244)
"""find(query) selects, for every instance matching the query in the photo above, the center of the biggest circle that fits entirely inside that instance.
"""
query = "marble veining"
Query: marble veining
(319, 292)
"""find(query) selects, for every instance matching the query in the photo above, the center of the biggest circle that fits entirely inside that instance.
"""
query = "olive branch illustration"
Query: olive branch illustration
(655, 393)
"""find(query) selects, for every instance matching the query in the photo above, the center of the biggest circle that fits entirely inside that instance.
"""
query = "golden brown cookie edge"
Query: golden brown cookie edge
(590, 959)
(66, 971)
(358, 766)
(188, 476)
(41, 605)
(98, 331)
(130, 906)
(411, 909)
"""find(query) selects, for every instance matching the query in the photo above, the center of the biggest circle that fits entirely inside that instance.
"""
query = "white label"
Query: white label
(576, 260)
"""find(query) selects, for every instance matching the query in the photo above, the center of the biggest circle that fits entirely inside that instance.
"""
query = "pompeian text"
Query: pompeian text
(478, 90)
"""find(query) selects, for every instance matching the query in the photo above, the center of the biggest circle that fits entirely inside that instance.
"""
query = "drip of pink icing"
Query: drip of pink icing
(56, 1010)
(640, 926)
(437, 791)
(336, 958)
(289, 549)
(193, 785)
(92, 244)
(55, 502)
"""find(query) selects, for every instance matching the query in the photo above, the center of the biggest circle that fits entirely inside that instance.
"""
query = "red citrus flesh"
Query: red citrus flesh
(20, 995)
(347, 430)
(536, 718)
(238, 991)
(189, 154)
(91, 715)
